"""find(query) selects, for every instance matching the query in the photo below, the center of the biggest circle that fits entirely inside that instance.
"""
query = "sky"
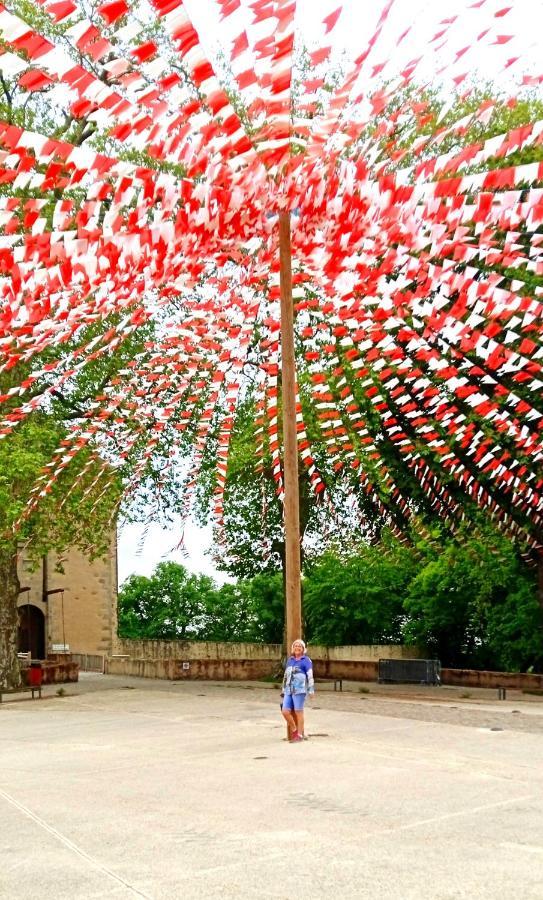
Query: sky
(140, 557)
(354, 28)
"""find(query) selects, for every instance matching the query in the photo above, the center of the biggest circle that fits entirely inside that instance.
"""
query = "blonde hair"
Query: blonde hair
(298, 641)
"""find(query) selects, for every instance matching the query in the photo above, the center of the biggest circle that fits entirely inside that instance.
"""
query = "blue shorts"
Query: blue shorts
(293, 702)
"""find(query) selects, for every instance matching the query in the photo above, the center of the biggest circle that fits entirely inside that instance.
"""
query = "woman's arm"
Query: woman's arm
(285, 676)
(309, 677)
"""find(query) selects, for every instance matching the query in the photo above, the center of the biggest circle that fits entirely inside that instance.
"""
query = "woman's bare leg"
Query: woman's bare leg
(300, 724)
(291, 722)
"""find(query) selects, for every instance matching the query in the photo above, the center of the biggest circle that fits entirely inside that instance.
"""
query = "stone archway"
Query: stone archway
(31, 632)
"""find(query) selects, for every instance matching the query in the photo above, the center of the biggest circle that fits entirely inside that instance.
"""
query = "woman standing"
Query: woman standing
(298, 683)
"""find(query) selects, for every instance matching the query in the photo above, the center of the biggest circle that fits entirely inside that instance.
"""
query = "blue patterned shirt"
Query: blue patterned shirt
(298, 677)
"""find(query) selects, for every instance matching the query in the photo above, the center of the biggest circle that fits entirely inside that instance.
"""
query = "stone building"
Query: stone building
(71, 611)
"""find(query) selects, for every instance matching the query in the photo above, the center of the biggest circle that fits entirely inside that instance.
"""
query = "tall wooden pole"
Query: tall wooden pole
(293, 600)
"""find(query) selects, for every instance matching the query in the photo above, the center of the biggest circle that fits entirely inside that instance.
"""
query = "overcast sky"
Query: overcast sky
(137, 557)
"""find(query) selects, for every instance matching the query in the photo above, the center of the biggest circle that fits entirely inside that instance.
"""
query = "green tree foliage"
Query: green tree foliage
(469, 601)
(358, 598)
(253, 511)
(514, 628)
(170, 605)
(267, 604)
(475, 604)
(229, 614)
(250, 484)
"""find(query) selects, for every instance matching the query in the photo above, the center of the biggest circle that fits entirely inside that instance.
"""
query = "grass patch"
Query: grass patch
(61, 692)
(363, 690)
(465, 695)
(537, 692)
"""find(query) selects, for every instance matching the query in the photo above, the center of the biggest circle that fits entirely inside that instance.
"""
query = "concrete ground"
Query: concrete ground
(137, 788)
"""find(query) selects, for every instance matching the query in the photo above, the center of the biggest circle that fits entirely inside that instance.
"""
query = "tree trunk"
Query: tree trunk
(10, 675)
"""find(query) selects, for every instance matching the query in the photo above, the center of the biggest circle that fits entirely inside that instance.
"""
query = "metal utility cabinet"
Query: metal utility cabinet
(409, 671)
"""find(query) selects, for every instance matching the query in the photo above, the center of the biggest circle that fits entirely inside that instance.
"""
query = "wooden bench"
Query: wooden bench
(338, 682)
(22, 690)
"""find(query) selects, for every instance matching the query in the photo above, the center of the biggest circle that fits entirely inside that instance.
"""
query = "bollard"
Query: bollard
(501, 693)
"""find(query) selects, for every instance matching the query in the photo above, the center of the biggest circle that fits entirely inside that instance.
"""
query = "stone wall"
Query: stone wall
(176, 660)
(55, 672)
(90, 603)
(85, 618)
(165, 650)
(364, 653)
(207, 650)
(350, 669)
(483, 679)
(193, 669)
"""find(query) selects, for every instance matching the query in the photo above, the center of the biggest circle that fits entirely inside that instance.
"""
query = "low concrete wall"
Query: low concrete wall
(476, 678)
(175, 660)
(164, 650)
(56, 672)
(234, 669)
(191, 669)
(350, 669)
(192, 660)
(364, 652)
(195, 650)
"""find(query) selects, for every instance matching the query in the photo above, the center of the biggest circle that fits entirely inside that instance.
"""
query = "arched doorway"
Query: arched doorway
(31, 633)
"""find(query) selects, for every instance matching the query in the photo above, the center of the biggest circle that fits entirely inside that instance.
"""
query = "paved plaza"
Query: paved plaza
(138, 788)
